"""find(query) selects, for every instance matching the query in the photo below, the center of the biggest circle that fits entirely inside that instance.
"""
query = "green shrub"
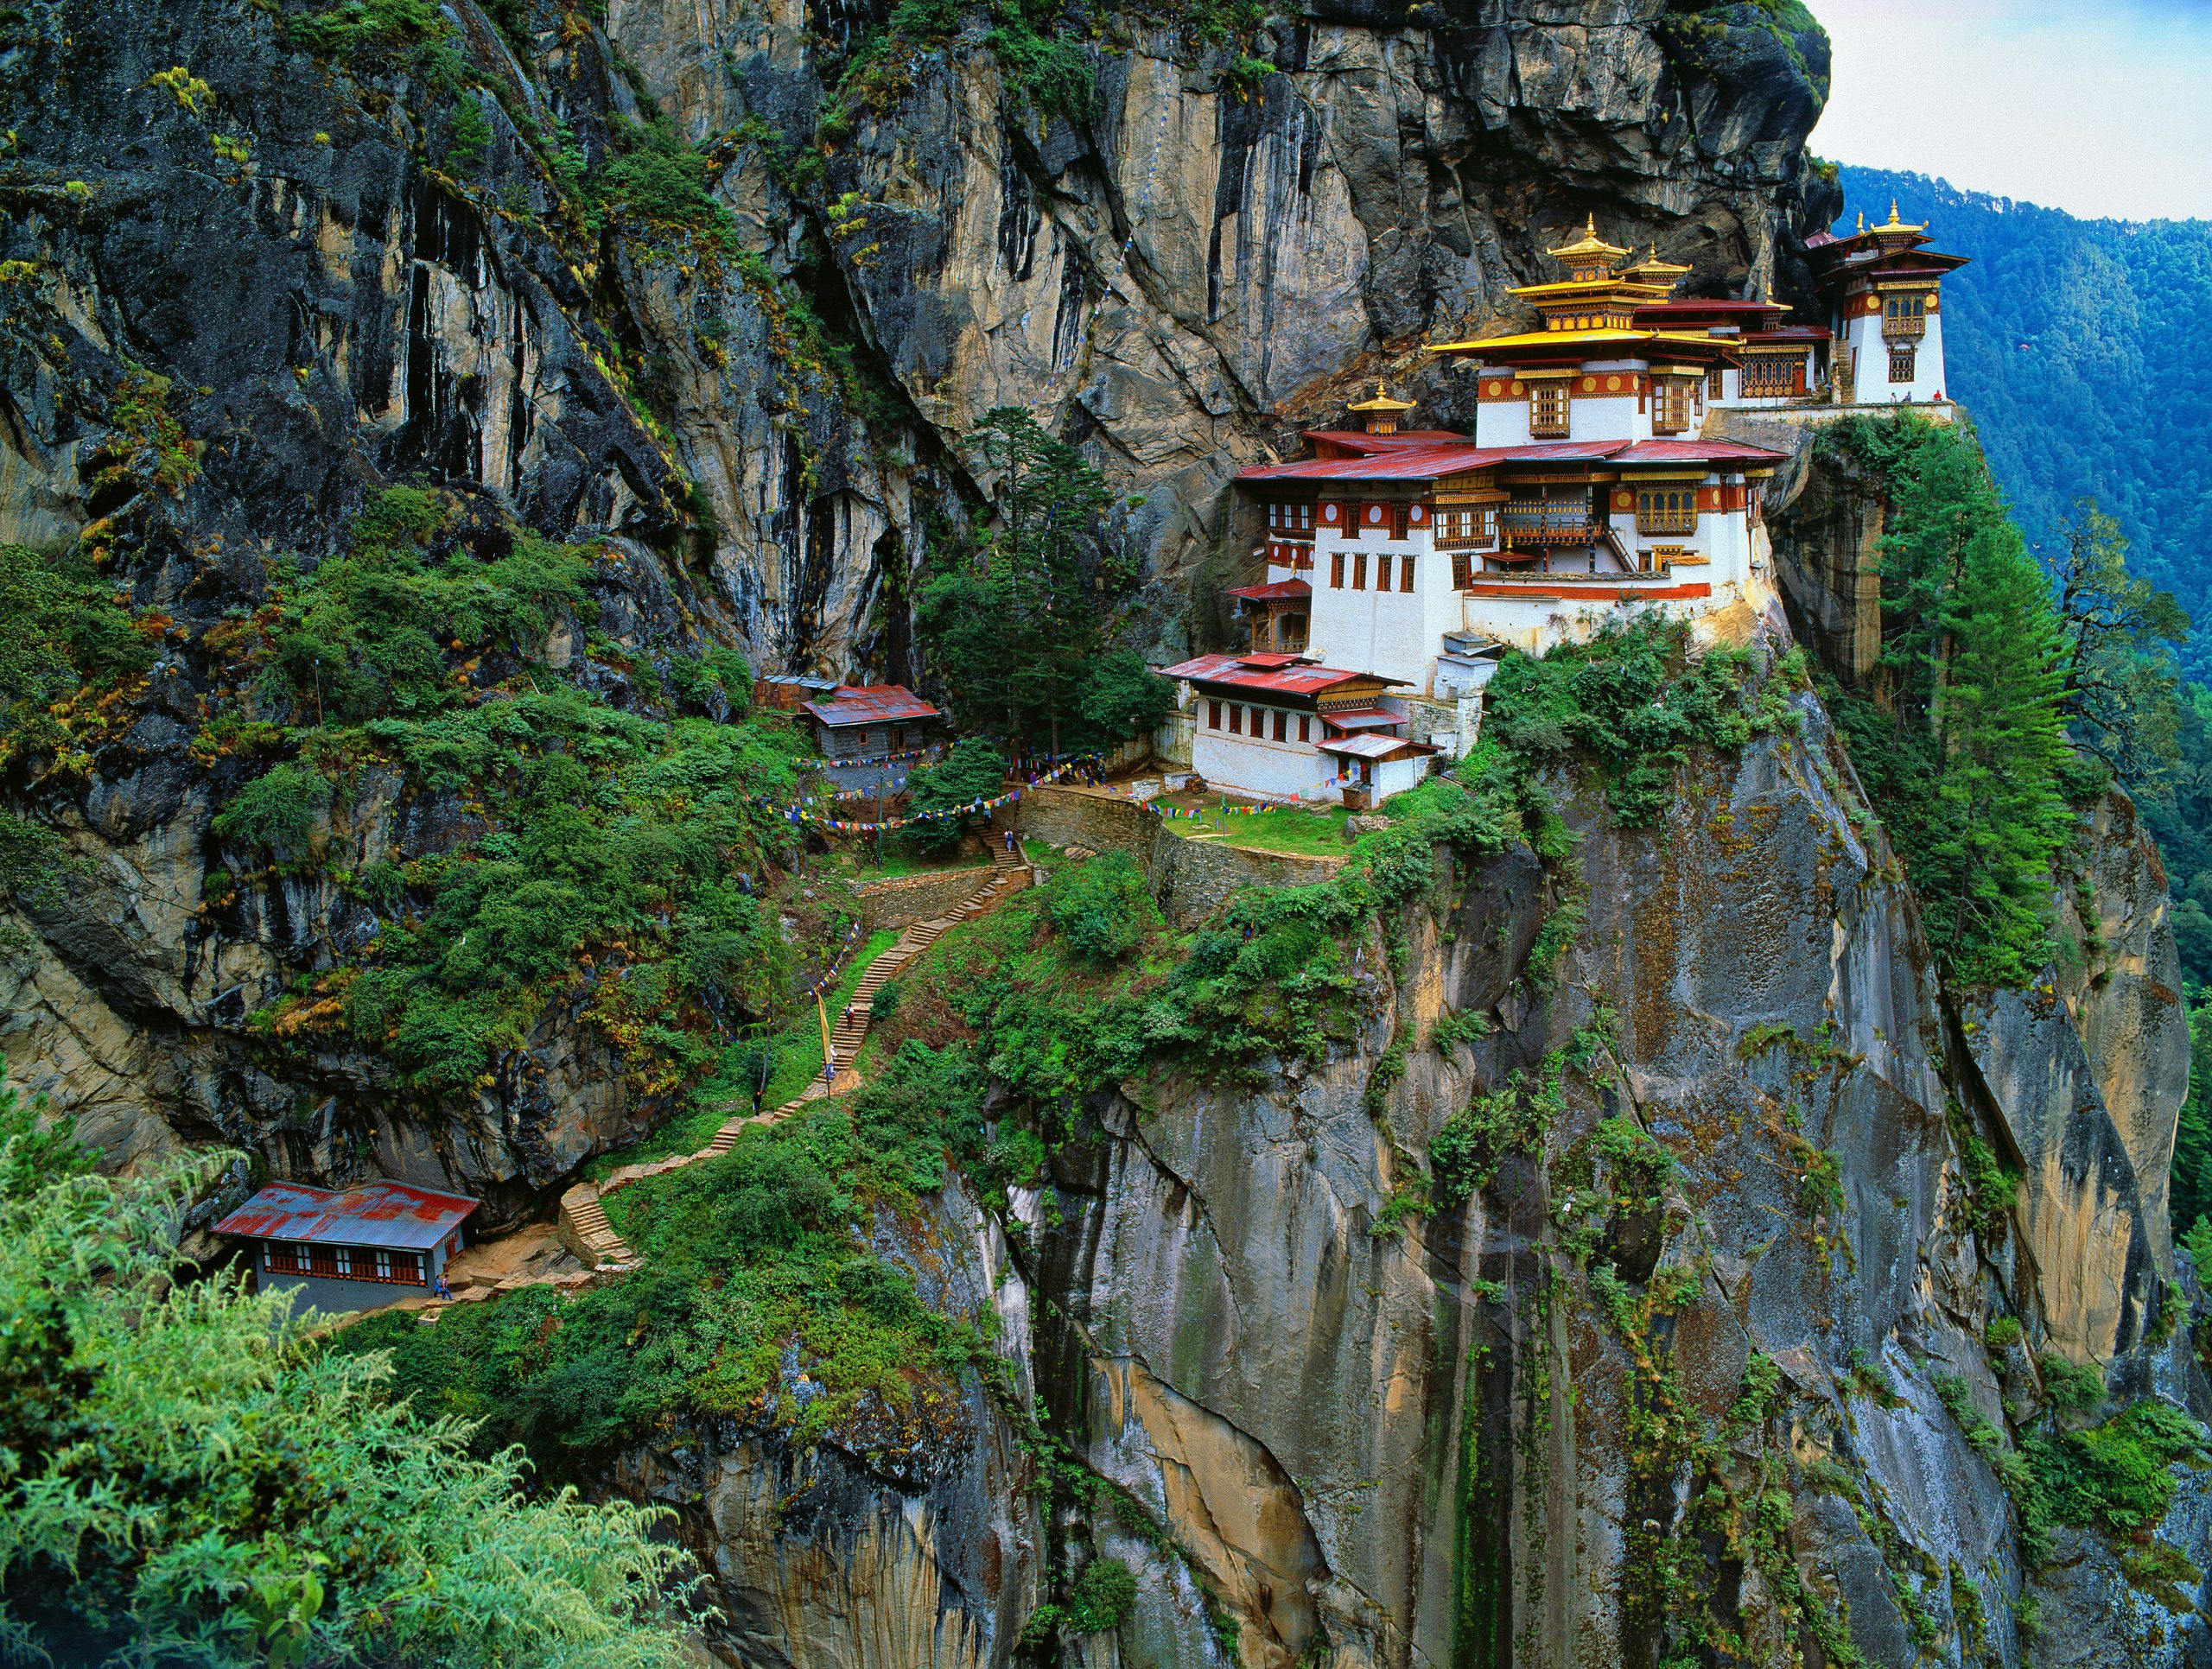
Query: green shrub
(278, 809)
(1631, 702)
(2117, 1477)
(2002, 1333)
(2078, 1388)
(885, 1004)
(1102, 1595)
(1102, 907)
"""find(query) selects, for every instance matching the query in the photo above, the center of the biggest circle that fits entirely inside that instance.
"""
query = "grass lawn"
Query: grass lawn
(856, 862)
(796, 1061)
(1315, 834)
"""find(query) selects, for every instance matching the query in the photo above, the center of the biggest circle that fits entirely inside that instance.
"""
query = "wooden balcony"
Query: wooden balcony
(1904, 326)
(1566, 525)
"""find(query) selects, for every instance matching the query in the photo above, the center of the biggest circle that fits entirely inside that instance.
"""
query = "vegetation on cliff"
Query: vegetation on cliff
(1961, 741)
(187, 1476)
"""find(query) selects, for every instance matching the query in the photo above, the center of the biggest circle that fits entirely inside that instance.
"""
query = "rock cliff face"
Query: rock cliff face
(1321, 1430)
(1421, 1444)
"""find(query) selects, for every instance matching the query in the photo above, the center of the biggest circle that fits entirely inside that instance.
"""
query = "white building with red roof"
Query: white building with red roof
(1590, 489)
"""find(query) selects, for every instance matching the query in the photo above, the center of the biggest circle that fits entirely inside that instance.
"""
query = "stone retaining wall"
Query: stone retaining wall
(907, 899)
(1191, 879)
(1069, 816)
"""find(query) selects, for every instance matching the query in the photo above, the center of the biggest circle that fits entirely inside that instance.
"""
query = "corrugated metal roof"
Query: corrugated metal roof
(1694, 452)
(1788, 334)
(864, 704)
(375, 1214)
(1363, 718)
(1374, 748)
(1275, 591)
(1251, 672)
(1358, 441)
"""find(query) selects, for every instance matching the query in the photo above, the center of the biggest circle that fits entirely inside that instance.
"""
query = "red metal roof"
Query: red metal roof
(1686, 306)
(376, 1213)
(1694, 452)
(1788, 334)
(1266, 672)
(1353, 439)
(1429, 463)
(1363, 718)
(1275, 591)
(1374, 748)
(867, 704)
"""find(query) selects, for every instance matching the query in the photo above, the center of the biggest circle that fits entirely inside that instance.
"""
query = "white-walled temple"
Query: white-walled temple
(1398, 561)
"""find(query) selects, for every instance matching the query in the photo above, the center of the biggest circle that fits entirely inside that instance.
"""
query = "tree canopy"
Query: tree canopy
(188, 1478)
(1018, 626)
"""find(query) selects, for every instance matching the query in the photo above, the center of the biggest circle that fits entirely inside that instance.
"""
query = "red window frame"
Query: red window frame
(1359, 570)
(1304, 730)
(1336, 570)
(1282, 726)
(1235, 719)
(1213, 715)
(1405, 573)
(1399, 518)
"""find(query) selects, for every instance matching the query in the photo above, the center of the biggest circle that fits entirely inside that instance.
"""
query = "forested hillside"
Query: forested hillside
(2071, 342)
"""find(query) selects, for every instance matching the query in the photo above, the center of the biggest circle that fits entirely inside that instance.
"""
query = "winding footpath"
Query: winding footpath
(583, 1225)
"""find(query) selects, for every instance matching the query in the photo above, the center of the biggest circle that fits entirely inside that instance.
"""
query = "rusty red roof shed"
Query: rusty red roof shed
(871, 704)
(1696, 452)
(375, 1214)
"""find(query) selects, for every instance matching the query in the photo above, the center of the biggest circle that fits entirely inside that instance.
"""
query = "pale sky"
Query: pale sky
(2102, 108)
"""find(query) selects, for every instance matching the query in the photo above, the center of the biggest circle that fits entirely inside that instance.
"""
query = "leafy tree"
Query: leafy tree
(970, 770)
(1014, 627)
(1961, 737)
(2189, 1200)
(1122, 697)
(188, 1478)
(2119, 635)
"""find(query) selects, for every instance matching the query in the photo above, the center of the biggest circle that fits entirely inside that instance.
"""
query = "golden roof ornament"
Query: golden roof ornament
(1382, 402)
(1381, 412)
(1589, 245)
(1894, 224)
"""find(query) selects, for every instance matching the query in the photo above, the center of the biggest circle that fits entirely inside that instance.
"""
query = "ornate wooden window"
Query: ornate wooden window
(1671, 407)
(1282, 726)
(1904, 316)
(1667, 509)
(1305, 729)
(1463, 570)
(1399, 515)
(1405, 573)
(1213, 715)
(1901, 363)
(1336, 570)
(1359, 570)
(1547, 410)
(1715, 388)
(1768, 376)
(1459, 526)
(1236, 719)
(1291, 517)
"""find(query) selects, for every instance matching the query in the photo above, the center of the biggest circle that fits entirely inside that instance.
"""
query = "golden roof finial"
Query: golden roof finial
(1893, 220)
(1382, 402)
(1862, 219)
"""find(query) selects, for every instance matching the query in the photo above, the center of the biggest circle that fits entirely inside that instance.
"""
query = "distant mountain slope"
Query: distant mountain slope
(2073, 343)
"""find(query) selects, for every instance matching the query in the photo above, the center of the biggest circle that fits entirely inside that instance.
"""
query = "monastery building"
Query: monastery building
(1400, 563)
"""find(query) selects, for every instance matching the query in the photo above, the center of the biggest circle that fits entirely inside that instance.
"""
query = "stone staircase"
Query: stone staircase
(582, 1222)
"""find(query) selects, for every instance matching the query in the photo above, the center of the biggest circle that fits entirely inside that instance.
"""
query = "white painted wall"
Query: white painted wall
(1256, 765)
(1873, 386)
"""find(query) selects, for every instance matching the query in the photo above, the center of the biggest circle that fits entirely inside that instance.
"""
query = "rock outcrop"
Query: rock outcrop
(243, 282)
